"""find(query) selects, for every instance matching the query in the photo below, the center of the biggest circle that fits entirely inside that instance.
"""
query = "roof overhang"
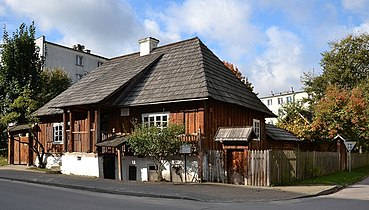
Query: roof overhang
(235, 134)
(113, 142)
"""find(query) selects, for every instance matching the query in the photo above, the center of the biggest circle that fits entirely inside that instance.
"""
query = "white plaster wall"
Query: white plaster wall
(51, 160)
(57, 56)
(168, 172)
(88, 165)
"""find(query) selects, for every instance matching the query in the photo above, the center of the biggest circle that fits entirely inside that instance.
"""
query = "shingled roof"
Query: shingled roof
(181, 71)
(279, 134)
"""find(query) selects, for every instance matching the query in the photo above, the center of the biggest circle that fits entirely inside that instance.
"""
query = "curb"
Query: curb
(332, 190)
(100, 190)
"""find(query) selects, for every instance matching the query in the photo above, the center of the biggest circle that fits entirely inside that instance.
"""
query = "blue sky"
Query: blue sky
(273, 42)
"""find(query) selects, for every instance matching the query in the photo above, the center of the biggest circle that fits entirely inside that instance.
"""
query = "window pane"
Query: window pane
(158, 118)
(146, 119)
(165, 118)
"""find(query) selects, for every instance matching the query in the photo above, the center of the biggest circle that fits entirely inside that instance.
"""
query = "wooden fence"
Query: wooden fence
(274, 167)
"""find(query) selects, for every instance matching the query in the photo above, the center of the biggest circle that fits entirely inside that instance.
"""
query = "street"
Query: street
(20, 195)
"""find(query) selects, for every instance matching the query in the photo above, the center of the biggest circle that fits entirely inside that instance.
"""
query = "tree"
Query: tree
(239, 75)
(296, 119)
(156, 143)
(20, 72)
(345, 65)
(343, 111)
(53, 82)
(24, 87)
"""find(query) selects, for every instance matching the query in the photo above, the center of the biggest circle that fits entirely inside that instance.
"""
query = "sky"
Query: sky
(272, 42)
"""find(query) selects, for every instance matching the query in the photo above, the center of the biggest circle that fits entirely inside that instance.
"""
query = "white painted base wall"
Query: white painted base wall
(83, 164)
(174, 170)
(51, 160)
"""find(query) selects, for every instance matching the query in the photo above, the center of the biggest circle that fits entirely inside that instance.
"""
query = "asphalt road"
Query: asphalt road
(19, 195)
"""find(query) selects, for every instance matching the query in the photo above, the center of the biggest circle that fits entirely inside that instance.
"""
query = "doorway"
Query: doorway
(236, 166)
(132, 173)
(109, 165)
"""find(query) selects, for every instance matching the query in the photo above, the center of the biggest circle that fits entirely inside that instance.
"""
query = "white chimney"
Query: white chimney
(147, 45)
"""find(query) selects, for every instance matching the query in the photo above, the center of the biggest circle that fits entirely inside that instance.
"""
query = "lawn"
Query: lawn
(342, 178)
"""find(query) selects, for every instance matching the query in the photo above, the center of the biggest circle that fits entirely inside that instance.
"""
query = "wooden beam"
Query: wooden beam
(88, 128)
(71, 129)
(97, 128)
(65, 126)
(119, 163)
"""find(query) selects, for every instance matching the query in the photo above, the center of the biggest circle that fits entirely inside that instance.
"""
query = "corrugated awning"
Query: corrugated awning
(235, 134)
(113, 142)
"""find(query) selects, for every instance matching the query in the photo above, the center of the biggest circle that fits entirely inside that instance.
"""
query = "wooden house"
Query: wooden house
(182, 82)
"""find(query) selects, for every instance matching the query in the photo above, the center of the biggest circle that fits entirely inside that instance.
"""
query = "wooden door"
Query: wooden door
(236, 165)
(21, 150)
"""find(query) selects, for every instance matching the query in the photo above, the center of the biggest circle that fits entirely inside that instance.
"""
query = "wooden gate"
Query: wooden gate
(21, 151)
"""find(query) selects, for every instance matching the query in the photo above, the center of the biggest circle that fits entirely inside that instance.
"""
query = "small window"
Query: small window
(79, 60)
(256, 126)
(156, 119)
(289, 99)
(58, 133)
(270, 102)
(79, 77)
(280, 100)
(99, 63)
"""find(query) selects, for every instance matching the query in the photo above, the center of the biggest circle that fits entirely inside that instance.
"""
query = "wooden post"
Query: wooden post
(200, 157)
(88, 128)
(97, 127)
(119, 162)
(71, 147)
(10, 149)
(65, 137)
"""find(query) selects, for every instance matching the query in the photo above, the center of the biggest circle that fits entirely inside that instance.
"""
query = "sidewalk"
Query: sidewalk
(192, 191)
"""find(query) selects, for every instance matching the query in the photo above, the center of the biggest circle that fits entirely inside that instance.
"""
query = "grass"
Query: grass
(342, 178)
(3, 161)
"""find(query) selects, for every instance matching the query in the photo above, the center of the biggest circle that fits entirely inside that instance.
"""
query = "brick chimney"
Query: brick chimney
(147, 45)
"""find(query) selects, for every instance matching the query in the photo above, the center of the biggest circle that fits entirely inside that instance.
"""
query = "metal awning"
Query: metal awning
(113, 142)
(235, 134)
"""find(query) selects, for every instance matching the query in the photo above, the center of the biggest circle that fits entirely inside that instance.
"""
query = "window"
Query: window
(289, 99)
(280, 100)
(99, 63)
(79, 60)
(79, 77)
(256, 126)
(58, 133)
(156, 119)
(269, 102)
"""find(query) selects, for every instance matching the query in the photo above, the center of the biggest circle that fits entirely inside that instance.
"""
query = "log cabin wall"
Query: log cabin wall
(220, 114)
(45, 133)
(190, 114)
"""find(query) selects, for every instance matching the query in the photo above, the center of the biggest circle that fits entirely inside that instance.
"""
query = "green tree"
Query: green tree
(53, 82)
(156, 143)
(296, 119)
(345, 65)
(20, 72)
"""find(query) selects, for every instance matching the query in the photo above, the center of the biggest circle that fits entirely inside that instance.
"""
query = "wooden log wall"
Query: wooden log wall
(219, 114)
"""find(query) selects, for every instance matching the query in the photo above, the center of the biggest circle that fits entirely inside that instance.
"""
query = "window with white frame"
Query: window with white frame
(155, 119)
(79, 60)
(58, 133)
(256, 127)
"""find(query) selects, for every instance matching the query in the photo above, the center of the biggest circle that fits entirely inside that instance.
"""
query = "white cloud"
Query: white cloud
(281, 65)
(356, 5)
(226, 23)
(107, 27)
